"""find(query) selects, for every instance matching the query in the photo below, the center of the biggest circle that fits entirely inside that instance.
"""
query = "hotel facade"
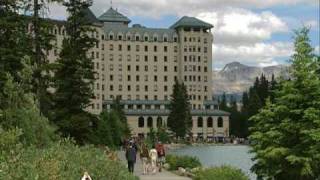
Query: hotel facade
(140, 65)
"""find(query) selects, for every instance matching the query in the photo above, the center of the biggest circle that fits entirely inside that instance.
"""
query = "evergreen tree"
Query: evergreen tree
(285, 133)
(116, 106)
(223, 102)
(179, 120)
(74, 75)
(15, 42)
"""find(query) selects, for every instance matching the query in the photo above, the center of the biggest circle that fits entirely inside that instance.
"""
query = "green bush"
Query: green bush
(62, 160)
(221, 173)
(186, 162)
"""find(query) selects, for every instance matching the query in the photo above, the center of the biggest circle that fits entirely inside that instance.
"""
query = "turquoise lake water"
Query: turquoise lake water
(216, 155)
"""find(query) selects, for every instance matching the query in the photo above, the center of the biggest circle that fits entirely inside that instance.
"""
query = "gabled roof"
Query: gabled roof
(113, 16)
(186, 21)
(90, 17)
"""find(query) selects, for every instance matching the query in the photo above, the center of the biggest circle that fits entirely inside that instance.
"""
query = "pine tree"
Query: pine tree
(223, 102)
(116, 106)
(74, 75)
(15, 42)
(179, 120)
(286, 132)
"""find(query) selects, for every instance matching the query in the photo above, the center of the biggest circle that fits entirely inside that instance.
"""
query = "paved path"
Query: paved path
(164, 175)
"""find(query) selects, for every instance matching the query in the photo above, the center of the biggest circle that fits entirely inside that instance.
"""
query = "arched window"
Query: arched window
(209, 122)
(200, 122)
(159, 121)
(220, 122)
(141, 122)
(150, 122)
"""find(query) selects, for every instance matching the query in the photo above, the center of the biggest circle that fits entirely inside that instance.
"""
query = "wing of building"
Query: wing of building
(140, 64)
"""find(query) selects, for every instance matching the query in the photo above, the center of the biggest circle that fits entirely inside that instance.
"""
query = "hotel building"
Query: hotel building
(140, 65)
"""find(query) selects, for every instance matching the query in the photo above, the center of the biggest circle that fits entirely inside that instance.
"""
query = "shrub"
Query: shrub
(221, 173)
(63, 160)
(182, 161)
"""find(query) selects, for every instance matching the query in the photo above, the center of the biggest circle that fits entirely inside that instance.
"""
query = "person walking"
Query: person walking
(153, 156)
(131, 157)
(144, 155)
(161, 155)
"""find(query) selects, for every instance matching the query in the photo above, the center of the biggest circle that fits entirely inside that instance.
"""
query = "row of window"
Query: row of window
(195, 39)
(192, 58)
(137, 78)
(194, 49)
(137, 48)
(194, 78)
(137, 88)
(137, 69)
(137, 37)
(193, 68)
(149, 122)
(210, 122)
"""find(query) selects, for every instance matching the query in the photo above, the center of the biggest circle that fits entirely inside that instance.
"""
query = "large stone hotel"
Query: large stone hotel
(140, 65)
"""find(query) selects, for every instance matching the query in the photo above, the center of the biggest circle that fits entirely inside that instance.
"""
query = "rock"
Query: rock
(166, 166)
(181, 170)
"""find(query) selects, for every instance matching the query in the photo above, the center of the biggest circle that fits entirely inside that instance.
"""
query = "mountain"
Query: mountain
(236, 78)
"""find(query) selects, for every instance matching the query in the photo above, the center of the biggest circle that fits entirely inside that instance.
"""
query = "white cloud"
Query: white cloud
(239, 26)
(259, 54)
(317, 50)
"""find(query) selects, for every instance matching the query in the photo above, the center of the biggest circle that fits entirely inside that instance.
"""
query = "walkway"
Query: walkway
(164, 175)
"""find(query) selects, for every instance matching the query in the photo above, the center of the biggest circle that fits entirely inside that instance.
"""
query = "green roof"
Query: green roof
(186, 21)
(113, 16)
(90, 17)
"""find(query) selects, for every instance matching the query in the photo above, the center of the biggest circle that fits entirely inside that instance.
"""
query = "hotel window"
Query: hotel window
(148, 106)
(149, 122)
(205, 69)
(185, 49)
(199, 68)
(111, 87)
(120, 77)
(92, 55)
(111, 67)
(200, 122)
(119, 37)
(175, 59)
(128, 37)
(102, 87)
(103, 98)
(165, 97)
(165, 68)
(185, 78)
(155, 48)
(199, 58)
(155, 68)
(199, 49)
(165, 58)
(165, 39)
(199, 39)
(175, 69)
(130, 106)
(185, 68)
(220, 122)
(97, 65)
(185, 39)
(165, 48)
(129, 48)
(199, 78)
(155, 58)
(103, 77)
(129, 68)
(146, 38)
(102, 37)
(102, 57)
(155, 38)
(129, 88)
(209, 122)
(111, 37)
(120, 87)
(137, 97)
(137, 58)
(141, 122)
(129, 78)
(98, 86)
(175, 78)
(120, 57)
(146, 58)
(111, 47)
(102, 46)
(165, 78)
(165, 88)
(111, 77)
(111, 57)
(205, 88)
(146, 88)
(97, 44)
(205, 79)
(205, 50)
(205, 40)
(137, 48)
(137, 38)
(205, 59)
(185, 58)
(137, 77)
(155, 88)
(175, 39)
(92, 106)
(146, 48)
(137, 88)
(146, 68)
(175, 49)
(137, 68)
(156, 98)
(120, 47)
(146, 97)
(129, 57)
(120, 67)
(155, 78)
(145, 77)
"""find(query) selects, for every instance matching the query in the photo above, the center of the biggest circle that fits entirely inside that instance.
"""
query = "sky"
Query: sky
(252, 32)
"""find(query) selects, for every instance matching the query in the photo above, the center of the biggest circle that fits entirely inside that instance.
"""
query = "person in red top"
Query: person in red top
(161, 155)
